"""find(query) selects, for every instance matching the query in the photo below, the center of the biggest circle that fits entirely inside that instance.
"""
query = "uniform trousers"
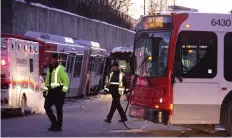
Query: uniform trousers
(116, 104)
(55, 97)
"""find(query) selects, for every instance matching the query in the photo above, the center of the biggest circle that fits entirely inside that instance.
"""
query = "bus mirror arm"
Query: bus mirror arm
(174, 76)
(177, 73)
(180, 78)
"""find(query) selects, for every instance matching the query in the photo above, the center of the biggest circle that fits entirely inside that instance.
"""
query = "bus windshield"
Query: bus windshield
(153, 46)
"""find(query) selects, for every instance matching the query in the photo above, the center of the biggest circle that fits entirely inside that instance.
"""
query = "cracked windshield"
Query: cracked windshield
(152, 49)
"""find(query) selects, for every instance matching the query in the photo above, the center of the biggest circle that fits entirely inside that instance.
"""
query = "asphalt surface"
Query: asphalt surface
(85, 117)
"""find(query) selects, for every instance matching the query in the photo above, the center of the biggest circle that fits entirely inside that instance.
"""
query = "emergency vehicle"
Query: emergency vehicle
(123, 55)
(82, 60)
(183, 68)
(20, 79)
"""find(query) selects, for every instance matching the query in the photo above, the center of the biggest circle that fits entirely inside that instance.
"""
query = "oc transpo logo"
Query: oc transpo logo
(21, 61)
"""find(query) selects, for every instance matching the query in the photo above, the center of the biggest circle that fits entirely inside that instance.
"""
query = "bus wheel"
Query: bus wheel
(23, 105)
(227, 123)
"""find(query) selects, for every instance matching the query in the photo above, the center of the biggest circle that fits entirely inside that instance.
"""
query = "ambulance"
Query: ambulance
(20, 79)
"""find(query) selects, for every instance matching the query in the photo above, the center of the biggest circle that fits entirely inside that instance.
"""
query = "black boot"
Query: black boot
(51, 128)
(57, 129)
(108, 121)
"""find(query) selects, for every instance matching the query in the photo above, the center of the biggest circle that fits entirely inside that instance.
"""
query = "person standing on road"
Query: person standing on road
(116, 88)
(56, 85)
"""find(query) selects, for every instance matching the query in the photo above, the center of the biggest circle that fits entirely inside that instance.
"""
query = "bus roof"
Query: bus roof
(54, 39)
(21, 37)
(87, 43)
(123, 49)
(49, 37)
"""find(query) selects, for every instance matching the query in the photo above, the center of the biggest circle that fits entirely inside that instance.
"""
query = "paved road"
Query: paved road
(86, 118)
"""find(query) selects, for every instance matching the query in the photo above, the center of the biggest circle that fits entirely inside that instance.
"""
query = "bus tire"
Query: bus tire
(227, 117)
(23, 105)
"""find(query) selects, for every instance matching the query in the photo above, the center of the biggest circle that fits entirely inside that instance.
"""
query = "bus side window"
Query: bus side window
(90, 63)
(31, 64)
(227, 56)
(63, 59)
(198, 54)
(78, 63)
(101, 65)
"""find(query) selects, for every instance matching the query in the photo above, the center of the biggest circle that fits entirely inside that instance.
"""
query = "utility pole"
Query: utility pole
(174, 2)
(144, 8)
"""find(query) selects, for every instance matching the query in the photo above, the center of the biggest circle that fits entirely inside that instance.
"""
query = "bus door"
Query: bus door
(104, 71)
(195, 69)
(84, 73)
(70, 70)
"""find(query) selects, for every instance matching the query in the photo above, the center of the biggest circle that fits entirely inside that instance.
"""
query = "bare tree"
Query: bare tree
(120, 5)
(155, 6)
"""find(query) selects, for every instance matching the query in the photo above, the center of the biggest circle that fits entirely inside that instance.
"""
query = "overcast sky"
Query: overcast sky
(212, 6)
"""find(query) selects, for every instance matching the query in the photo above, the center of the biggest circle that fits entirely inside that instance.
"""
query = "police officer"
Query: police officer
(116, 88)
(56, 86)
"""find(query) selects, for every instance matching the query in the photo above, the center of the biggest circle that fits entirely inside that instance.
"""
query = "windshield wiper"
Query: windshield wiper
(143, 62)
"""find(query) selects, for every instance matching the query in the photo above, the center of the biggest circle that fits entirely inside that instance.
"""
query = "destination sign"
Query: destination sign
(154, 22)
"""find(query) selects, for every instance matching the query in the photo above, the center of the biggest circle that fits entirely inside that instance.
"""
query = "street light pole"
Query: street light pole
(144, 8)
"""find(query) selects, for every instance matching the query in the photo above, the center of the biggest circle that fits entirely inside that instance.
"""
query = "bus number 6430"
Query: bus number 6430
(221, 22)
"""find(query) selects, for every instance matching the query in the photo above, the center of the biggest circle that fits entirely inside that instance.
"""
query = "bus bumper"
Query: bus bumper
(153, 115)
(5, 108)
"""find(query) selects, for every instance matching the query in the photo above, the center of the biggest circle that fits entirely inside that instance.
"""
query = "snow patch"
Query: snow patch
(62, 11)
(20, 1)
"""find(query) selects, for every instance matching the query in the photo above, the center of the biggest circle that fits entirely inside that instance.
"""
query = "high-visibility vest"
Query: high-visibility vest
(121, 88)
(59, 77)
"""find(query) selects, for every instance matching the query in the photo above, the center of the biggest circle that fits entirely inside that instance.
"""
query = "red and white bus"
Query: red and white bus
(183, 65)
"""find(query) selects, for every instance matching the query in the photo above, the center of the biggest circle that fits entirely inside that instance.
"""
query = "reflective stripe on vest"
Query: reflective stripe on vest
(120, 83)
(116, 83)
(120, 79)
(111, 74)
(56, 74)
(55, 83)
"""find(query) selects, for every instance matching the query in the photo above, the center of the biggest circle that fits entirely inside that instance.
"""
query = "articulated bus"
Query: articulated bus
(183, 65)
(72, 55)
(82, 59)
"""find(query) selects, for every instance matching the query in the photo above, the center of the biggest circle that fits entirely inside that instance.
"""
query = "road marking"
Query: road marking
(132, 130)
